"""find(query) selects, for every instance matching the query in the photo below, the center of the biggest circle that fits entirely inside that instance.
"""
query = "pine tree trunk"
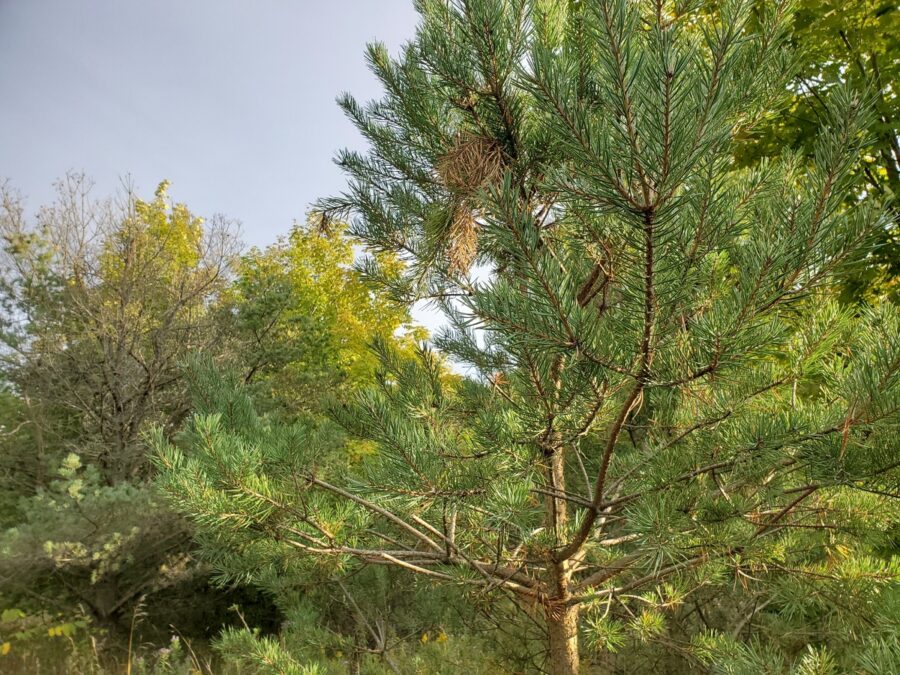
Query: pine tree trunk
(562, 619)
(562, 625)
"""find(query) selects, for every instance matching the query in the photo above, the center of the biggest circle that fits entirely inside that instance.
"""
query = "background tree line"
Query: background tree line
(665, 238)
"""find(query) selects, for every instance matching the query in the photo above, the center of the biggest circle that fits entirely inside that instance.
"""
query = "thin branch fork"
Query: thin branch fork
(414, 560)
(380, 511)
(785, 511)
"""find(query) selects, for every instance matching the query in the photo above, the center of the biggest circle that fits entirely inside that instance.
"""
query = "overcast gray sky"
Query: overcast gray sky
(232, 101)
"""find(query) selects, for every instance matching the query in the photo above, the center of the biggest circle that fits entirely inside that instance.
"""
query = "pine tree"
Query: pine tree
(664, 405)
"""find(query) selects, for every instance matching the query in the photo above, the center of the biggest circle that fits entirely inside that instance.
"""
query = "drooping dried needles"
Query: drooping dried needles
(472, 163)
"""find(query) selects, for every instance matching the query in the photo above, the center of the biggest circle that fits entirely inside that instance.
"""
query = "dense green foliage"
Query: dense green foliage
(677, 442)
(104, 306)
(658, 432)
(838, 43)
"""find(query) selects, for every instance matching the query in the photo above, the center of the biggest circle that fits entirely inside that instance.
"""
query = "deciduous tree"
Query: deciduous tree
(101, 301)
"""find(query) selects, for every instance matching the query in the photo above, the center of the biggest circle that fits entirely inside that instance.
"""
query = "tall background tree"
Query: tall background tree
(101, 301)
(675, 443)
